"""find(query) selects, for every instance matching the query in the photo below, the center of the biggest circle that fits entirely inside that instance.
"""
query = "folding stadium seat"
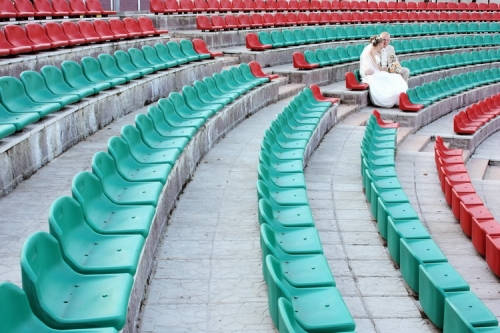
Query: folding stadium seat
(304, 6)
(110, 69)
(57, 85)
(25, 6)
(17, 313)
(300, 62)
(201, 48)
(132, 27)
(260, 5)
(280, 20)
(201, 6)
(95, 5)
(244, 21)
(314, 18)
(271, 5)
(203, 23)
(217, 21)
(268, 20)
(186, 6)
(253, 43)
(248, 5)
(118, 28)
(74, 76)
(345, 5)
(45, 6)
(231, 22)
(146, 25)
(16, 36)
(92, 70)
(63, 6)
(291, 18)
(79, 6)
(345, 17)
(257, 20)
(88, 31)
(326, 5)
(172, 6)
(36, 33)
(293, 5)
(213, 6)
(225, 6)
(302, 19)
(102, 28)
(157, 7)
(37, 90)
(138, 59)
(71, 30)
(401, 6)
(315, 5)
(7, 10)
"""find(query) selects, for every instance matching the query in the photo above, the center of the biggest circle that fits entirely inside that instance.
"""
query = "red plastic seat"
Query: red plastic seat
(256, 70)
(373, 5)
(268, 20)
(356, 17)
(324, 18)
(226, 5)
(363, 5)
(271, 5)
(132, 26)
(442, 6)
(411, 6)
(406, 105)
(248, 5)
(73, 32)
(315, 5)
(300, 62)
(345, 17)
(245, 21)
(7, 10)
(103, 29)
(464, 16)
(355, 5)
(353, 84)
(291, 19)
(213, 6)
(383, 124)
(36, 33)
(280, 20)
(63, 6)
(326, 5)
(186, 6)
(413, 16)
(389, 17)
(390, 5)
(203, 23)
(376, 17)
(45, 6)
(157, 6)
(433, 17)
(493, 6)
(231, 21)
(432, 6)
(404, 16)
(79, 6)
(462, 6)
(492, 251)
(7, 48)
(260, 5)
(56, 33)
(345, 5)
(452, 6)
(25, 6)
(257, 20)
(146, 25)
(172, 6)
(314, 18)
(335, 18)
(237, 5)
(293, 5)
(201, 6)
(366, 17)
(201, 48)
(95, 5)
(218, 21)
(423, 17)
(303, 19)
(282, 5)
(336, 5)
(16, 36)
(88, 31)
(480, 213)
(253, 43)
(401, 6)
(319, 96)
(453, 16)
(422, 6)
(118, 28)
(304, 5)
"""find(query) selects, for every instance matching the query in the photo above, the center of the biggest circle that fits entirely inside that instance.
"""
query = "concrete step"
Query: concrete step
(345, 111)
(478, 167)
(403, 133)
(230, 61)
(289, 89)
(413, 142)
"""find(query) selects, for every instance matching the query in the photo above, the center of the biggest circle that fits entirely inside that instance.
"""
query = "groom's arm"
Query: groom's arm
(395, 59)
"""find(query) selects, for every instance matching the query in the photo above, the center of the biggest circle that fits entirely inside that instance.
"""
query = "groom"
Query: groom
(388, 55)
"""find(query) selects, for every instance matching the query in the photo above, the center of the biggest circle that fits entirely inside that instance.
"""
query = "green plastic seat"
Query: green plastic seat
(453, 27)
(193, 101)
(415, 252)
(231, 81)
(265, 38)
(437, 89)
(125, 64)
(289, 37)
(219, 82)
(432, 64)
(444, 28)
(278, 40)
(466, 58)
(444, 43)
(434, 28)
(310, 35)
(103, 215)
(54, 79)
(209, 87)
(138, 59)
(406, 229)
(473, 27)
(361, 32)
(352, 52)
(164, 54)
(240, 79)
(463, 27)
(370, 30)
(286, 317)
(311, 58)
(415, 99)
(429, 92)
(425, 93)
(280, 179)
(397, 44)
(111, 70)
(434, 44)
(288, 137)
(350, 32)
(397, 211)
(415, 67)
(176, 120)
(330, 33)
(37, 90)
(320, 34)
(458, 84)
(488, 76)
(188, 49)
(333, 58)
(282, 166)
(425, 44)
(11, 122)
(468, 41)
(65, 299)
(316, 309)
(293, 125)
(407, 45)
(405, 30)
(299, 36)
(436, 280)
(175, 51)
(494, 27)
(184, 110)
(75, 77)
(342, 54)
(294, 115)
(14, 98)
(452, 42)
(86, 251)
(132, 170)
(151, 58)
(16, 315)
(464, 311)
(120, 190)
(173, 138)
(440, 62)
(6, 130)
(477, 40)
(301, 269)
(93, 72)
(341, 33)
(247, 74)
(390, 196)
(143, 153)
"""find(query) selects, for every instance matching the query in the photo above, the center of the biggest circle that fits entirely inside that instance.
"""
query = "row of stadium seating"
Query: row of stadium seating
(444, 295)
(196, 6)
(79, 277)
(256, 20)
(36, 37)
(24, 9)
(36, 95)
(283, 38)
(293, 262)
(470, 120)
(430, 92)
(475, 219)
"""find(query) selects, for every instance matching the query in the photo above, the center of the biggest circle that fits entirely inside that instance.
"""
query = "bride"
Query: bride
(385, 87)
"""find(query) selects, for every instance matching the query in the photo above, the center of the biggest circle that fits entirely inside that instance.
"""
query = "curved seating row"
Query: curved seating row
(421, 96)
(256, 20)
(444, 295)
(470, 120)
(80, 275)
(196, 6)
(36, 37)
(36, 95)
(24, 9)
(293, 263)
(276, 38)
(475, 219)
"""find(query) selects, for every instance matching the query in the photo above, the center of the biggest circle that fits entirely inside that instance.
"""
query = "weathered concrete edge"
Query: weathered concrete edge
(24, 153)
(206, 137)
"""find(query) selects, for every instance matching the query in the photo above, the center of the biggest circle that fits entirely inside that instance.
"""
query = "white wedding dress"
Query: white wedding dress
(385, 87)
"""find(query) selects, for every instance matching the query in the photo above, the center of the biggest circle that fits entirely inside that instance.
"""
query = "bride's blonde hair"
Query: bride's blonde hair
(375, 40)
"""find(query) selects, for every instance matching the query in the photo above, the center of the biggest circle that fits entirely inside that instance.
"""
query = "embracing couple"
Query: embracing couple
(379, 67)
